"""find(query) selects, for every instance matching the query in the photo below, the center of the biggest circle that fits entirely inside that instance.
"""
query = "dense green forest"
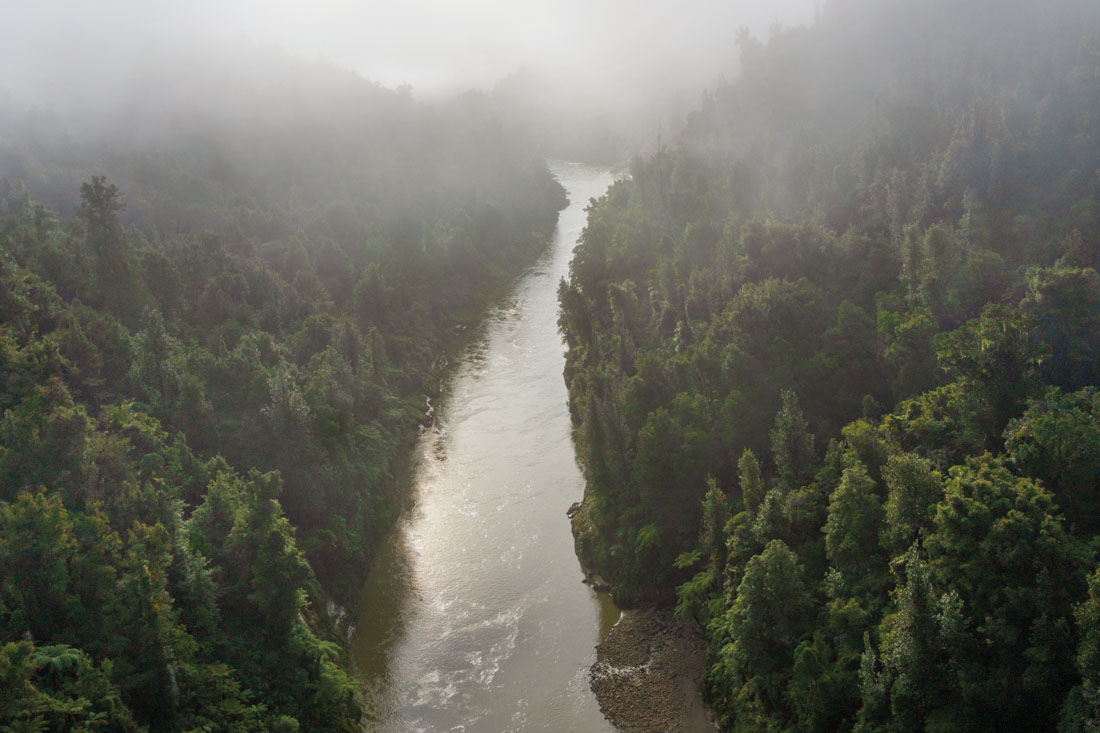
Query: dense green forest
(834, 361)
(221, 306)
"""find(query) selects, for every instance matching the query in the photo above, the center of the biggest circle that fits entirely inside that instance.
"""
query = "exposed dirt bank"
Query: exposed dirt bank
(648, 672)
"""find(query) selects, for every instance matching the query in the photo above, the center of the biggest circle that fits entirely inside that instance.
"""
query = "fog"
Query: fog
(616, 55)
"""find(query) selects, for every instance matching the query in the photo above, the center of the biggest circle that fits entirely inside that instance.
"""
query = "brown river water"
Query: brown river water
(474, 617)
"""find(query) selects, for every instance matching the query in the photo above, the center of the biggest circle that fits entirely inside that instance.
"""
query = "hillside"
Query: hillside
(225, 289)
(832, 367)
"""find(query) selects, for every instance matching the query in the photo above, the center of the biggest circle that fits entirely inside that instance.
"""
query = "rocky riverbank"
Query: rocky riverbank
(648, 672)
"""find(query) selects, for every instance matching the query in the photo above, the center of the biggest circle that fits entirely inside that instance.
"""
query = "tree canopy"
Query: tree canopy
(869, 268)
(211, 369)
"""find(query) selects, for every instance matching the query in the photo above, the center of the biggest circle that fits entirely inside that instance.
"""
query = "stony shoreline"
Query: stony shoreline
(648, 674)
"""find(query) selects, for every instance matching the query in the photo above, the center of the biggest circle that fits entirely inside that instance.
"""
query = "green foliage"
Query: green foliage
(792, 444)
(36, 544)
(904, 236)
(942, 425)
(1065, 304)
(1082, 709)
(1057, 441)
(915, 688)
(713, 537)
(913, 490)
(994, 357)
(854, 524)
(751, 481)
(56, 687)
(209, 375)
(998, 546)
(769, 615)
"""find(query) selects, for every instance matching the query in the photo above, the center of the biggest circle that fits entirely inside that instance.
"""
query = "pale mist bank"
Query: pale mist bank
(622, 70)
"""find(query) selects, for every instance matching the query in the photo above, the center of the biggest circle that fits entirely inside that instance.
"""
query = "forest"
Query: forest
(833, 367)
(221, 308)
(834, 359)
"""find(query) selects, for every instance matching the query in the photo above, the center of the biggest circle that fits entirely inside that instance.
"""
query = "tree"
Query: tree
(1065, 304)
(769, 615)
(669, 476)
(114, 281)
(154, 358)
(56, 687)
(36, 546)
(1057, 441)
(915, 687)
(998, 544)
(145, 640)
(994, 355)
(939, 272)
(752, 482)
(853, 526)
(943, 425)
(716, 514)
(913, 490)
(44, 441)
(100, 203)
(265, 571)
(792, 443)
(908, 342)
(1081, 711)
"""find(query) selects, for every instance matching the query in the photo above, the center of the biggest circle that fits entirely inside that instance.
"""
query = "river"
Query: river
(474, 617)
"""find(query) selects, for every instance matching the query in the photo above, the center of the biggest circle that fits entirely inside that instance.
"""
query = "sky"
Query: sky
(435, 46)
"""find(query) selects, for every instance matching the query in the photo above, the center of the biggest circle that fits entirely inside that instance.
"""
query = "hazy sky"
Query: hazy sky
(434, 45)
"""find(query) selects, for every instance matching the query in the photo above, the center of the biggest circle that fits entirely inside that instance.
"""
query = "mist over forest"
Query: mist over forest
(832, 341)
(596, 79)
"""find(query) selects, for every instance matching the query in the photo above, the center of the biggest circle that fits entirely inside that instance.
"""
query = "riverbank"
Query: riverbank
(648, 673)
